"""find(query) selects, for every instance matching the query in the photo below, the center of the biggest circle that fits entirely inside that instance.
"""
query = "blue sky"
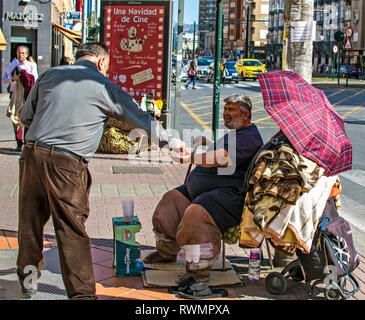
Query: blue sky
(191, 11)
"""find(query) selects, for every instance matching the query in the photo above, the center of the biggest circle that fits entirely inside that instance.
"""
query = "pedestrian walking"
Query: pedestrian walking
(20, 75)
(192, 74)
(66, 112)
(224, 71)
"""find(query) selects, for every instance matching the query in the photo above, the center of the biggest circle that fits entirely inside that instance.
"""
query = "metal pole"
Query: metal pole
(179, 53)
(339, 43)
(84, 18)
(217, 68)
(247, 27)
(194, 41)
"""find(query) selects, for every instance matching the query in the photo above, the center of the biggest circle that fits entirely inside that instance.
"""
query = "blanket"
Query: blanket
(294, 227)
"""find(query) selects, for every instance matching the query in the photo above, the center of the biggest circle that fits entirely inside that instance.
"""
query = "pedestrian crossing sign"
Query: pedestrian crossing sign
(348, 45)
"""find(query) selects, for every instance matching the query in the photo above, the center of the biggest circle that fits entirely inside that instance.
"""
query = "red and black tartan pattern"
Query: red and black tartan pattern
(307, 118)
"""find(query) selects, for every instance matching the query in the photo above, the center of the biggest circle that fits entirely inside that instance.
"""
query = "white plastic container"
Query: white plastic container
(128, 210)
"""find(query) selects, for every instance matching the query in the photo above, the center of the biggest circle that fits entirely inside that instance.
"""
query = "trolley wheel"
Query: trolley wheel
(296, 274)
(276, 283)
(335, 294)
(332, 294)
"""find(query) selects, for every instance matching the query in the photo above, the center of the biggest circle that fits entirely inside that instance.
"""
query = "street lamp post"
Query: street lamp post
(247, 27)
(179, 52)
(217, 73)
(84, 18)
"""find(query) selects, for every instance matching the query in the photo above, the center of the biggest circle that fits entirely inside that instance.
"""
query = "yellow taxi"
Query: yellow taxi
(250, 68)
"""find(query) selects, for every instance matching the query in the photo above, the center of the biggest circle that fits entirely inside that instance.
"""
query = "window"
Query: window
(263, 34)
(264, 9)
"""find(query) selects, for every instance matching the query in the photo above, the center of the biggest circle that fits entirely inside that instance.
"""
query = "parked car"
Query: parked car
(207, 57)
(203, 65)
(353, 71)
(184, 73)
(232, 72)
(250, 68)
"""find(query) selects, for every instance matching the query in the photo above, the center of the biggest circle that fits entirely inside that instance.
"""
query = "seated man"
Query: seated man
(197, 214)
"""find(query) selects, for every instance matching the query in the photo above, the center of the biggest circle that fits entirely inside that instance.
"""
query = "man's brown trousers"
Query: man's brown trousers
(54, 184)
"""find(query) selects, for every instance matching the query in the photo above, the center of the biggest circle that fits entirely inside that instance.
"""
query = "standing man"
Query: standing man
(20, 84)
(66, 112)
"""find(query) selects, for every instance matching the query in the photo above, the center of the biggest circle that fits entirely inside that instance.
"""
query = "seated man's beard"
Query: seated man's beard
(233, 123)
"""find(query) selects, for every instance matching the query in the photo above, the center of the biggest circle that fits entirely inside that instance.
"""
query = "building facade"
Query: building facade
(31, 23)
(259, 28)
(330, 16)
(207, 10)
(245, 25)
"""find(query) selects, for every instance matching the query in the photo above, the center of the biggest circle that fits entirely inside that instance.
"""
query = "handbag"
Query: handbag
(192, 72)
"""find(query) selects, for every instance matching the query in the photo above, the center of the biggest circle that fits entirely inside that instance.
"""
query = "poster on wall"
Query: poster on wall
(137, 36)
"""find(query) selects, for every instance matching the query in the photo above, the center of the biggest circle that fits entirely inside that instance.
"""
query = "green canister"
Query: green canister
(126, 251)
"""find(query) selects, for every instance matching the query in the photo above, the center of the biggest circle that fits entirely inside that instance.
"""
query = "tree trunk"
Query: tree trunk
(298, 55)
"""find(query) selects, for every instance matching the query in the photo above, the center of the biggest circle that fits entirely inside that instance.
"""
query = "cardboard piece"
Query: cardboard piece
(179, 265)
(162, 278)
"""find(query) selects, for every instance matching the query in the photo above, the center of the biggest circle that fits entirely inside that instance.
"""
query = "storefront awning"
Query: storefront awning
(3, 42)
(69, 34)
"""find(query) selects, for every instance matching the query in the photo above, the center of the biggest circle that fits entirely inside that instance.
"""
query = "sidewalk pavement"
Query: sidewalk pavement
(116, 178)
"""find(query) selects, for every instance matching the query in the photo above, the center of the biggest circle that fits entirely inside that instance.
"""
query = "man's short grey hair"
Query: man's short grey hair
(95, 49)
(243, 101)
(23, 46)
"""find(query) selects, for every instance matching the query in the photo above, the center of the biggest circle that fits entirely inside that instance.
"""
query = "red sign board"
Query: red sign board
(135, 34)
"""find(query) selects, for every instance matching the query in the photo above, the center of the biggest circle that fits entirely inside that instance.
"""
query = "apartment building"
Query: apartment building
(330, 16)
(207, 9)
(245, 24)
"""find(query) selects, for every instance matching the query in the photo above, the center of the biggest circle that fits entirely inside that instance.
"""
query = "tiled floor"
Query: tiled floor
(110, 287)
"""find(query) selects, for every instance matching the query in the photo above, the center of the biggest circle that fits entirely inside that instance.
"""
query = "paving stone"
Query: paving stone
(109, 190)
(8, 190)
(126, 190)
(158, 190)
(142, 190)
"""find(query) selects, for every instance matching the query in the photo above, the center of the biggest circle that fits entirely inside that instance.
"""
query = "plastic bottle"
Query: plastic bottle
(254, 264)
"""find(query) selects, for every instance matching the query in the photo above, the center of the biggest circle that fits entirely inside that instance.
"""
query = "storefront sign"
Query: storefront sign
(73, 15)
(68, 26)
(24, 16)
(135, 36)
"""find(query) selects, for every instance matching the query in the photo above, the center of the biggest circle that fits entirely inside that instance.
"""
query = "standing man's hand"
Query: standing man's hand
(177, 145)
(181, 157)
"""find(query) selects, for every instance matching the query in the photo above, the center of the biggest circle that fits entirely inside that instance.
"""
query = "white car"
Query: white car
(203, 66)
(183, 75)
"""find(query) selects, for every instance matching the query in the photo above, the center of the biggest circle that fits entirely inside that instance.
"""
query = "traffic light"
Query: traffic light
(339, 36)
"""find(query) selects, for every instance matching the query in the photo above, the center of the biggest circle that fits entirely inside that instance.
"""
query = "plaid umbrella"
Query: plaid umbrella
(307, 118)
